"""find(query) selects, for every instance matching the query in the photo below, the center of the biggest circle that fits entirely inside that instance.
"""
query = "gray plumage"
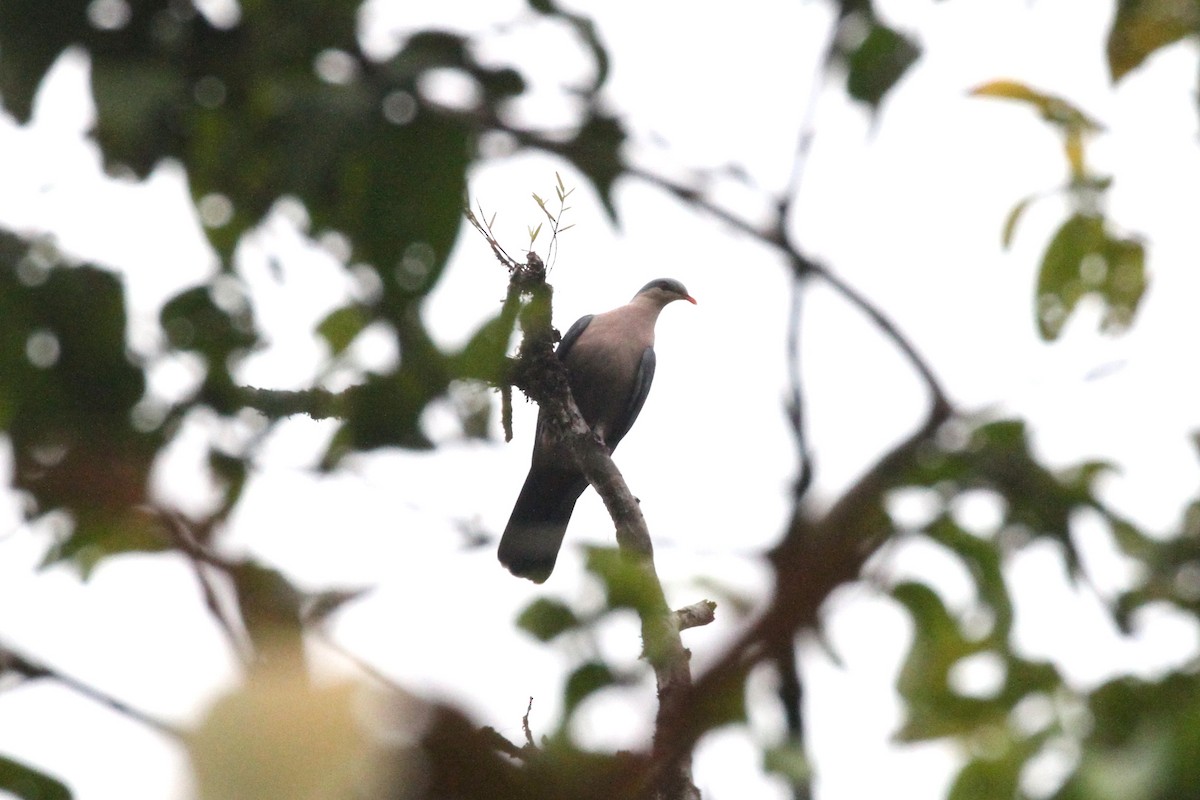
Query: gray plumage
(610, 364)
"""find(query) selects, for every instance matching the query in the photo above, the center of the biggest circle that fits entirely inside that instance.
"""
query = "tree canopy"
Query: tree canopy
(293, 109)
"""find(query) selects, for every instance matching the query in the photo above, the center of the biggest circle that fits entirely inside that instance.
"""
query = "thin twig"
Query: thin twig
(804, 470)
(201, 558)
(802, 265)
(525, 724)
(366, 667)
(12, 661)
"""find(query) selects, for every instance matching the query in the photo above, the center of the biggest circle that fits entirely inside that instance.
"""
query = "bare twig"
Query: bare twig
(804, 470)
(366, 667)
(525, 724)
(695, 615)
(12, 661)
(201, 558)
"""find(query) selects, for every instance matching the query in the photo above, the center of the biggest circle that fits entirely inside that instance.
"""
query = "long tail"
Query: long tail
(534, 534)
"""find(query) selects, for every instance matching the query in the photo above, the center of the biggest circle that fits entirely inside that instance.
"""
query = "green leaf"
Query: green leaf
(99, 533)
(984, 778)
(627, 584)
(982, 560)
(341, 326)
(485, 356)
(1081, 258)
(789, 761)
(28, 783)
(583, 681)
(385, 411)
(1059, 285)
(1125, 282)
(547, 619)
(933, 711)
(878, 63)
(1141, 27)
(1142, 740)
(1014, 216)
(232, 473)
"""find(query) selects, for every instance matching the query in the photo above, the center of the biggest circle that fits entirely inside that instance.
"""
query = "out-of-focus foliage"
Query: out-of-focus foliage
(873, 55)
(1084, 257)
(27, 783)
(279, 101)
(70, 402)
(1143, 26)
(1028, 710)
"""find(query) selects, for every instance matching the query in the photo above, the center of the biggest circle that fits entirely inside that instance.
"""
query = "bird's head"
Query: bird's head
(663, 291)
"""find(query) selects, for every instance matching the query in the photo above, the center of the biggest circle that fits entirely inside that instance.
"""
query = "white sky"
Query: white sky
(908, 209)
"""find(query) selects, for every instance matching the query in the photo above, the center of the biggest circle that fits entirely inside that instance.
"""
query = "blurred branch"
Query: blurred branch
(795, 410)
(816, 556)
(201, 558)
(317, 403)
(14, 662)
(801, 266)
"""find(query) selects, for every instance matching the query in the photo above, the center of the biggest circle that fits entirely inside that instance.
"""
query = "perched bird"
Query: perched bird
(610, 363)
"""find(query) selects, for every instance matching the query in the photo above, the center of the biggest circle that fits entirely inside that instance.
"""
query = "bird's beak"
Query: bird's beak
(690, 299)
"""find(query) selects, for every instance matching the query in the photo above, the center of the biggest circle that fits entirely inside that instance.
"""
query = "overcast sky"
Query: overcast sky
(907, 207)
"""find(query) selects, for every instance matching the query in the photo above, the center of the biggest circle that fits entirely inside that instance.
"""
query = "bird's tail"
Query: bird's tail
(534, 534)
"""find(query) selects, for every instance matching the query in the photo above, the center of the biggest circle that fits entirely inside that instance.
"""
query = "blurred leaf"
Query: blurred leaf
(1081, 258)
(67, 401)
(998, 458)
(341, 326)
(1142, 741)
(983, 562)
(31, 38)
(1141, 27)
(626, 583)
(934, 707)
(790, 762)
(878, 63)
(988, 779)
(596, 151)
(272, 609)
(932, 710)
(232, 472)
(1061, 113)
(386, 410)
(586, 30)
(1059, 284)
(547, 619)
(28, 783)
(1014, 216)
(1124, 282)
(484, 357)
(97, 534)
(194, 321)
(583, 681)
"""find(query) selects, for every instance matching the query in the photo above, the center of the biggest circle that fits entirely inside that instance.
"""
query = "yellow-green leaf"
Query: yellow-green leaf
(1141, 27)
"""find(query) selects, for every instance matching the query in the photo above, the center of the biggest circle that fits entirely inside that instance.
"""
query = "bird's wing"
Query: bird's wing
(637, 397)
(568, 339)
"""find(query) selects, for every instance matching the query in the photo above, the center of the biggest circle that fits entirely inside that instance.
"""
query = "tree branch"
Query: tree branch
(12, 661)
(815, 557)
(543, 378)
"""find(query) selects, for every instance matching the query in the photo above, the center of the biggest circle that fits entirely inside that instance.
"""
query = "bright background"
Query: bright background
(907, 207)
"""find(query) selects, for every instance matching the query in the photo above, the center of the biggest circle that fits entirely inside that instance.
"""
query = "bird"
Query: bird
(609, 359)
